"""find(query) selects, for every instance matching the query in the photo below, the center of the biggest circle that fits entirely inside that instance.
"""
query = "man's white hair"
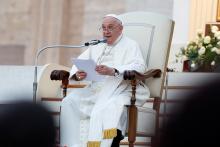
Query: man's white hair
(114, 16)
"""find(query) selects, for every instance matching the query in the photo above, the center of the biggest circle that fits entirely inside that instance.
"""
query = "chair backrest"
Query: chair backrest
(47, 87)
(153, 32)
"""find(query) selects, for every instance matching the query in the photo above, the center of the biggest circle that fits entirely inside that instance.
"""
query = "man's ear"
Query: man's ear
(121, 27)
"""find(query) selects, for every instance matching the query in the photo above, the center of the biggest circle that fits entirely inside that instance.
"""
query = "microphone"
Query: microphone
(94, 42)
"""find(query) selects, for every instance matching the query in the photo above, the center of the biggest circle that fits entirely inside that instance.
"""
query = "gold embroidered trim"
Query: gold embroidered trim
(93, 144)
(110, 133)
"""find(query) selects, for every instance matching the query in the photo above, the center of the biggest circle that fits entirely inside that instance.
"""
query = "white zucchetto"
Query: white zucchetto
(114, 16)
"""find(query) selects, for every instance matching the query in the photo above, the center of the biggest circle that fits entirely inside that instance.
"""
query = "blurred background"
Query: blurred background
(27, 25)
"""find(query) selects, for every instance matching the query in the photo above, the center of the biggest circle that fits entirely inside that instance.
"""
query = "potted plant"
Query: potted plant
(203, 54)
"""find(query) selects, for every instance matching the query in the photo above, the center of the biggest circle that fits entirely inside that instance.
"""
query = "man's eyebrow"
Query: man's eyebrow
(111, 25)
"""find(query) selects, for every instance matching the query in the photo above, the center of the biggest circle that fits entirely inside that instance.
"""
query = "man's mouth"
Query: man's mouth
(108, 37)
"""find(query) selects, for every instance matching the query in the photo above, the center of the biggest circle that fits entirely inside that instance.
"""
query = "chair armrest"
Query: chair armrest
(59, 75)
(63, 76)
(133, 75)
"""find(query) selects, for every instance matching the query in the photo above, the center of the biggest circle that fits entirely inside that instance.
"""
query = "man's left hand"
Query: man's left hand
(105, 70)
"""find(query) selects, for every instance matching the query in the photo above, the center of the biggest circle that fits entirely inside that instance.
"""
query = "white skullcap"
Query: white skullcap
(114, 16)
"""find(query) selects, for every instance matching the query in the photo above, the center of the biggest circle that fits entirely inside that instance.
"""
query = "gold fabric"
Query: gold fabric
(93, 144)
(110, 133)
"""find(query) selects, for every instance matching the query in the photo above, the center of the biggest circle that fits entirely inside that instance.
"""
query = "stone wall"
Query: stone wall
(15, 30)
(36, 23)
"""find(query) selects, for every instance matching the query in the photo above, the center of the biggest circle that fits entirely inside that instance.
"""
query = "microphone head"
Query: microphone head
(94, 42)
(104, 40)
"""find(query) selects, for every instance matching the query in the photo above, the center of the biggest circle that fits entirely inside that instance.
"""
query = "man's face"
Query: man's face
(112, 29)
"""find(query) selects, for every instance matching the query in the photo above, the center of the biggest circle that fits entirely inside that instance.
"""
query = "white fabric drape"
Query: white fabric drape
(201, 12)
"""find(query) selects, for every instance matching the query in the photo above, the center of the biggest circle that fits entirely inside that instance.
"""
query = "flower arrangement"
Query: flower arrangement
(204, 51)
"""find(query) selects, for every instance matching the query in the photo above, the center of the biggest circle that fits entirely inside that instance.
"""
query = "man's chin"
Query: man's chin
(109, 41)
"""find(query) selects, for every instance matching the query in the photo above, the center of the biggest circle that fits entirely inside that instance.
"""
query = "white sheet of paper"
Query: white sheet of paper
(88, 66)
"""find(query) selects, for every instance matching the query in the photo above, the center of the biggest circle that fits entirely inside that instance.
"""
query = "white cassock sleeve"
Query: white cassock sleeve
(132, 59)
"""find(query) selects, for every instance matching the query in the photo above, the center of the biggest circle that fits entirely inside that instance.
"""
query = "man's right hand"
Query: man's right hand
(80, 75)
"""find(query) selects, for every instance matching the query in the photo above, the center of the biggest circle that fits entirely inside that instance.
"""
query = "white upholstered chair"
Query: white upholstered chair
(153, 32)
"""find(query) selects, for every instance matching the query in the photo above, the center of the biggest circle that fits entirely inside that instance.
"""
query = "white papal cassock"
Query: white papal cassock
(103, 102)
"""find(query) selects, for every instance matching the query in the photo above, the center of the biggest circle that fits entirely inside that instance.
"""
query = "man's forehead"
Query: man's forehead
(110, 20)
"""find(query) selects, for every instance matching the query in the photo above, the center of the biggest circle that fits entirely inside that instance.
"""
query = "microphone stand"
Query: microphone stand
(36, 62)
(39, 51)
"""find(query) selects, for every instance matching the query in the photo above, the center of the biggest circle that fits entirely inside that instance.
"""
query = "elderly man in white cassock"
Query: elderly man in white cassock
(103, 103)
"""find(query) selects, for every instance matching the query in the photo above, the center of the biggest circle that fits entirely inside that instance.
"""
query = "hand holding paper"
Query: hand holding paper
(88, 66)
(80, 75)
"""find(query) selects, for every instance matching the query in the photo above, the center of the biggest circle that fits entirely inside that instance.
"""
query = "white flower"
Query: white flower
(214, 49)
(213, 63)
(217, 34)
(193, 65)
(201, 50)
(217, 51)
(185, 58)
(214, 29)
(218, 42)
(207, 39)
